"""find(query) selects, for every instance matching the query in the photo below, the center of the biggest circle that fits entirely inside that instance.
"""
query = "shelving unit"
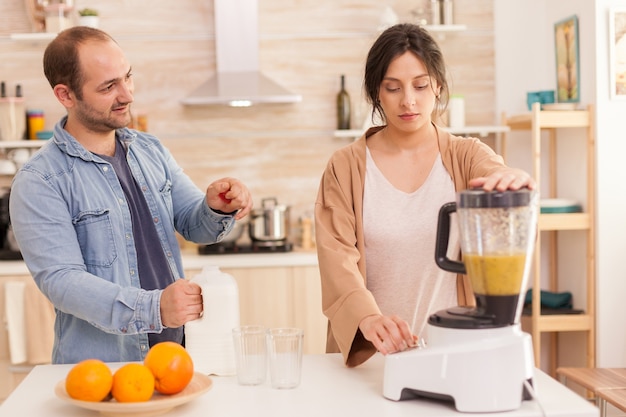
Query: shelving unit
(537, 121)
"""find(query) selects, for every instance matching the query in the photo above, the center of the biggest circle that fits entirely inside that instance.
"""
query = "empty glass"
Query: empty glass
(285, 356)
(250, 353)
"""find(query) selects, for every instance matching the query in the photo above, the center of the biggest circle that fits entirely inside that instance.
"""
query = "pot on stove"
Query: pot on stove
(270, 223)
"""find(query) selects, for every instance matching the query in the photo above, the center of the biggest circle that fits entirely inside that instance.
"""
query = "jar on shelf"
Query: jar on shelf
(36, 122)
(57, 17)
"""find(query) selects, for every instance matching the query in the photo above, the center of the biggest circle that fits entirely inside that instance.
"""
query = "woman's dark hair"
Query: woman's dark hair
(60, 59)
(394, 42)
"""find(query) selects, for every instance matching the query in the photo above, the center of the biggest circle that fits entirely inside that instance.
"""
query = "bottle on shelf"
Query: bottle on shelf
(447, 14)
(343, 106)
(435, 12)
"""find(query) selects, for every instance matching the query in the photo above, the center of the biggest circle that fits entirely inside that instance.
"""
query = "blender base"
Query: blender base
(480, 370)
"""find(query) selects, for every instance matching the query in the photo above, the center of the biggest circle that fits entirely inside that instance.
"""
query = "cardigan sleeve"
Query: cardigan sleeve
(345, 298)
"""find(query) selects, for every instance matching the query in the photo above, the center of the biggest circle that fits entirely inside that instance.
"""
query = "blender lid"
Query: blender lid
(479, 198)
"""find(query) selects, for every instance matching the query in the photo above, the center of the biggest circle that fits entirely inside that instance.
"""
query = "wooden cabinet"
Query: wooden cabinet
(550, 225)
(287, 296)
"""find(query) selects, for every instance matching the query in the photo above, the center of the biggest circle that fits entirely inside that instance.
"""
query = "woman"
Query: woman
(376, 210)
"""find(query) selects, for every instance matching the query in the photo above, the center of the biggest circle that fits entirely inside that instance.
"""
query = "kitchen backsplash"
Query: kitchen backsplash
(278, 150)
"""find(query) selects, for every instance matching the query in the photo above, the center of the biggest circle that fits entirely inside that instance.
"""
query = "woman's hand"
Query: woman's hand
(504, 179)
(387, 334)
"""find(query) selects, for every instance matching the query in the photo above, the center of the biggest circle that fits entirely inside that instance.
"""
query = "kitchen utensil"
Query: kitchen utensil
(478, 356)
(270, 223)
(12, 118)
(19, 156)
(7, 167)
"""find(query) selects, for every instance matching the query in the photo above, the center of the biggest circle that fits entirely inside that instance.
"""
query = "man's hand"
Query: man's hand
(180, 302)
(229, 195)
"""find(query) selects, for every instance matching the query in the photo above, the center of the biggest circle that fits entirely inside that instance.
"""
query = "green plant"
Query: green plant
(88, 12)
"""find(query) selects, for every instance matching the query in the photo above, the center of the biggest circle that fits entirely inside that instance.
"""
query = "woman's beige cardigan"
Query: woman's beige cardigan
(340, 243)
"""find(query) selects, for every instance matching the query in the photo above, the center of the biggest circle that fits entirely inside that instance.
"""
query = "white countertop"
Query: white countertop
(193, 261)
(328, 388)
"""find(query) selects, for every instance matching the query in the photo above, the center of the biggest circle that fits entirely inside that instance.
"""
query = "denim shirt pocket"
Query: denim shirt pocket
(166, 195)
(95, 237)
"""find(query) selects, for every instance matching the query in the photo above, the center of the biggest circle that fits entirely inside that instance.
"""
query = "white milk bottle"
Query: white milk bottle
(209, 339)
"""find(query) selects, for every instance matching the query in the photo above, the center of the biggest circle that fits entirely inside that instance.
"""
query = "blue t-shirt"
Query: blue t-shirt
(154, 271)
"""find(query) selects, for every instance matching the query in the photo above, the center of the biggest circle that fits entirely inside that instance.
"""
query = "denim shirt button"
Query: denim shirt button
(144, 188)
(156, 219)
(120, 200)
(144, 347)
(152, 327)
(128, 237)
(132, 272)
(105, 168)
(123, 329)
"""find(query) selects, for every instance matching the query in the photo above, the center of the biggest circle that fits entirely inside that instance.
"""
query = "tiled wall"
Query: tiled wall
(278, 150)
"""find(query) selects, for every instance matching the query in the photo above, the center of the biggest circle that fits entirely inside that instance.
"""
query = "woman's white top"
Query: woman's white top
(400, 233)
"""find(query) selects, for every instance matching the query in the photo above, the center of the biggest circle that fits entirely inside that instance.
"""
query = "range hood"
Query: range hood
(238, 81)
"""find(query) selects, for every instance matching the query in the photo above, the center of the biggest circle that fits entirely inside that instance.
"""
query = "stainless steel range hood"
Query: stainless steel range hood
(238, 81)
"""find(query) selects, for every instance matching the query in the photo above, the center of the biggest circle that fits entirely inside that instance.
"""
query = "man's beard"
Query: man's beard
(98, 121)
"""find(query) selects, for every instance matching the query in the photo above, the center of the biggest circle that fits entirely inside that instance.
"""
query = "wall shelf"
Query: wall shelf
(35, 36)
(445, 28)
(481, 131)
(16, 144)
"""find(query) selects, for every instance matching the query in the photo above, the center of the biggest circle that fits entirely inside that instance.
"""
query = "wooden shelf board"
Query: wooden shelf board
(550, 119)
(559, 323)
(565, 221)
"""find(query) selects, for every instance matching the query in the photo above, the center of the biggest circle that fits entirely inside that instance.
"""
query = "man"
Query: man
(96, 209)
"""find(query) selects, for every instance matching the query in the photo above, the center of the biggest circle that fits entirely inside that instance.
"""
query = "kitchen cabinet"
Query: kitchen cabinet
(281, 296)
(550, 225)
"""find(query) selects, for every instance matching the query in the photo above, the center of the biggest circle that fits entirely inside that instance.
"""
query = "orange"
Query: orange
(132, 383)
(171, 366)
(89, 380)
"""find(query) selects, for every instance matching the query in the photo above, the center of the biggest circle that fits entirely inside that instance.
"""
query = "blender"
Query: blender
(478, 357)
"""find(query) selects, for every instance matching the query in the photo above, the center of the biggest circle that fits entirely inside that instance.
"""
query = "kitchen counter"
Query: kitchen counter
(193, 261)
(328, 388)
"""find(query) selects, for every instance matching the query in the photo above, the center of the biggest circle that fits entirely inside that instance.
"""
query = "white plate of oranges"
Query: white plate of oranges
(163, 381)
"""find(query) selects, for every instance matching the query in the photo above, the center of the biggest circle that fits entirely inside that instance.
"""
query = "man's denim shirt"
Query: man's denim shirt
(73, 226)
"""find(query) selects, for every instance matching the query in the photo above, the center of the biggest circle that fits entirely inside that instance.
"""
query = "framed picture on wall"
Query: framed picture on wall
(567, 60)
(617, 51)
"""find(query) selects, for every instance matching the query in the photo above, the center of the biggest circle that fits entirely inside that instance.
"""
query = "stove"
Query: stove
(254, 247)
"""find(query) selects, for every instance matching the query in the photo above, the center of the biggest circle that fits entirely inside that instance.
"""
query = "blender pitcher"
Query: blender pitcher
(497, 232)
